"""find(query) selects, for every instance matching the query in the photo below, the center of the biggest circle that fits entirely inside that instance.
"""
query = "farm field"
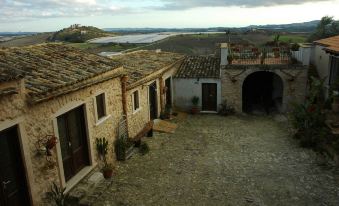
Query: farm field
(27, 40)
(195, 44)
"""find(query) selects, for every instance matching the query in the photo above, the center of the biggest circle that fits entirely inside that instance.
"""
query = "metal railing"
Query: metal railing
(265, 55)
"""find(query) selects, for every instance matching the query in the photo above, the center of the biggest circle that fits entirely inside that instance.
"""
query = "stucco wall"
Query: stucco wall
(321, 61)
(39, 120)
(185, 89)
(294, 82)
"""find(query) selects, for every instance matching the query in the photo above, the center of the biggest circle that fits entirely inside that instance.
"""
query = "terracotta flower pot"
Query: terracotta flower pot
(194, 110)
(108, 173)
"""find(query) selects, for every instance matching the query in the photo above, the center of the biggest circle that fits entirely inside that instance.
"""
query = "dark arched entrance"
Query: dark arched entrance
(262, 93)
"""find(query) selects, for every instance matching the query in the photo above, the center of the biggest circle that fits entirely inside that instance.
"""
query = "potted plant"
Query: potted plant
(144, 148)
(168, 111)
(102, 149)
(107, 170)
(195, 102)
(263, 56)
(335, 103)
(230, 59)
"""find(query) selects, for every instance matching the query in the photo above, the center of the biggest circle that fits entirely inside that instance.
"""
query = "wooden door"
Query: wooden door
(209, 97)
(14, 190)
(168, 91)
(73, 142)
(153, 103)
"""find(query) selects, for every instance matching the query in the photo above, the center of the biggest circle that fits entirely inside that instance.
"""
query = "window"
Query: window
(100, 102)
(135, 98)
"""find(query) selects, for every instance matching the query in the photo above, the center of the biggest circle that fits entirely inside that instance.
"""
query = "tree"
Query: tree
(327, 27)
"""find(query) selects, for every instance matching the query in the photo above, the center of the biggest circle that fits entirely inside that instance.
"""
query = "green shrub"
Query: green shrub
(57, 196)
(308, 118)
(144, 148)
(102, 147)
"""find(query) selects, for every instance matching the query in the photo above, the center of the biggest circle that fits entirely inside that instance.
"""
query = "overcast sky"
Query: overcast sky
(52, 15)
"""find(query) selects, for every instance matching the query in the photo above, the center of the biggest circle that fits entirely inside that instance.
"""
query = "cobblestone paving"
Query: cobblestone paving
(214, 160)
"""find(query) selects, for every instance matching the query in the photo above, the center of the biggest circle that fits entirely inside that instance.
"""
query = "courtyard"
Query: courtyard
(215, 160)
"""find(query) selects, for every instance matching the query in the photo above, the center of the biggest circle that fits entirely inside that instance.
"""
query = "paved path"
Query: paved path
(213, 160)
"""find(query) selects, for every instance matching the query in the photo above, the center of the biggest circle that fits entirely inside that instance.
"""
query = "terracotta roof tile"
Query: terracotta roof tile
(140, 64)
(331, 43)
(48, 67)
(199, 67)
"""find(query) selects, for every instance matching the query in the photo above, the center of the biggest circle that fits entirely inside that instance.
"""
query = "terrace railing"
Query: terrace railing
(265, 55)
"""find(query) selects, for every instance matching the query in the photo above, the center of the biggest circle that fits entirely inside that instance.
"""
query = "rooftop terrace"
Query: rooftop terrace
(254, 56)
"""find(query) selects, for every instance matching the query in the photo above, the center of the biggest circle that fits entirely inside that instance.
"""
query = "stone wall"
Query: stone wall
(294, 81)
(138, 119)
(39, 120)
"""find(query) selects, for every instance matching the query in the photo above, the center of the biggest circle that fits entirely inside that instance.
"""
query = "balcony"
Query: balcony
(260, 56)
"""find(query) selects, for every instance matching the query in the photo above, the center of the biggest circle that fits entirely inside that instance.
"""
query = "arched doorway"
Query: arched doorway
(262, 92)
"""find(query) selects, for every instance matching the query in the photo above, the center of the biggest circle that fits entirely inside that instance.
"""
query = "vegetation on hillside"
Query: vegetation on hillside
(78, 34)
(327, 27)
(27, 40)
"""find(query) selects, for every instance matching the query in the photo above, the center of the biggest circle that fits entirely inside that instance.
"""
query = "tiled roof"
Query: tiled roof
(49, 67)
(9, 75)
(199, 67)
(332, 44)
(140, 64)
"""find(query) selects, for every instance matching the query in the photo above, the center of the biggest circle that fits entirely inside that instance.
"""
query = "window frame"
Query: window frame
(104, 105)
(134, 109)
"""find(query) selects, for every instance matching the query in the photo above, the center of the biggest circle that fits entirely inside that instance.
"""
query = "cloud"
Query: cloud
(25, 10)
(188, 4)
(22, 10)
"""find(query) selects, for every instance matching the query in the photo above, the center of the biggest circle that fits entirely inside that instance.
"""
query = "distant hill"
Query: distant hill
(28, 39)
(294, 27)
(78, 34)
(307, 27)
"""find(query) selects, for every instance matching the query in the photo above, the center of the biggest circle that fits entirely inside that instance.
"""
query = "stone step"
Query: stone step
(89, 189)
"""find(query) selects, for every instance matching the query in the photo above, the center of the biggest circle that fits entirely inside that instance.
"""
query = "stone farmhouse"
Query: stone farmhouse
(52, 92)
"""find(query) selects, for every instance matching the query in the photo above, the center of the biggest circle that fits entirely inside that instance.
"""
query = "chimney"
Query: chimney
(223, 54)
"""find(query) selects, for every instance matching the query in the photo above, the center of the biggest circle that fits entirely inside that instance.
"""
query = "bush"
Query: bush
(144, 148)
(226, 109)
(308, 118)
(57, 196)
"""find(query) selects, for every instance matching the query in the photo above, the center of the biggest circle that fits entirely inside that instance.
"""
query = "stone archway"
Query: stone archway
(262, 92)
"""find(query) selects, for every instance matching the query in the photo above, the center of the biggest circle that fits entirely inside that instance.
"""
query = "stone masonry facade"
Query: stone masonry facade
(39, 120)
(294, 80)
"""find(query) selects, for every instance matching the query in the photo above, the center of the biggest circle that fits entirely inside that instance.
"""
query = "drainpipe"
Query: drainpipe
(123, 80)
(162, 106)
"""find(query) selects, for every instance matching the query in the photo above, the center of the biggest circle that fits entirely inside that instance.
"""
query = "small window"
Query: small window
(100, 101)
(136, 100)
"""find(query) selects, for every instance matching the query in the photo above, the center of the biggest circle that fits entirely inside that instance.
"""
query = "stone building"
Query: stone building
(51, 91)
(149, 86)
(250, 82)
(198, 76)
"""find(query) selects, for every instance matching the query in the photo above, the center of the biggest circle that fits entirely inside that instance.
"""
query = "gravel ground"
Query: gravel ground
(214, 160)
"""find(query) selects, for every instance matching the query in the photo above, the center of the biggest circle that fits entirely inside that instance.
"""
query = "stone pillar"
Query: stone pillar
(223, 54)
